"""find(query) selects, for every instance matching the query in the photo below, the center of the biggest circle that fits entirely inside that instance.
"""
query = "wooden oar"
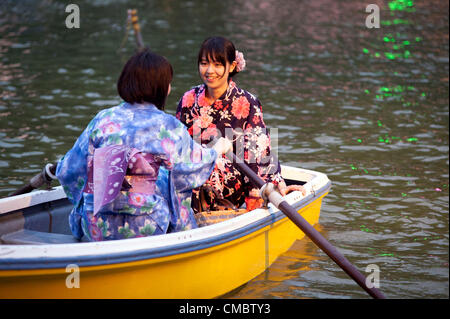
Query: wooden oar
(44, 177)
(275, 198)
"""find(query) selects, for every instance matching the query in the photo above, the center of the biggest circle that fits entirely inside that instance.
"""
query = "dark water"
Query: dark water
(368, 107)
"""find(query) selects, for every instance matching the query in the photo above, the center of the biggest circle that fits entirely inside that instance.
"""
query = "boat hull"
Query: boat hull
(200, 266)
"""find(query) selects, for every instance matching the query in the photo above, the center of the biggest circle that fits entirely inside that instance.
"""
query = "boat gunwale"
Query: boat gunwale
(22, 201)
(216, 235)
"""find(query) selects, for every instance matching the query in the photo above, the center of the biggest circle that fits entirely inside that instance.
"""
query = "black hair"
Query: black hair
(145, 78)
(218, 49)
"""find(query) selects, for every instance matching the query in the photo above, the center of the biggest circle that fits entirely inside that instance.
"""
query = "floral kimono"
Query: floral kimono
(131, 174)
(237, 115)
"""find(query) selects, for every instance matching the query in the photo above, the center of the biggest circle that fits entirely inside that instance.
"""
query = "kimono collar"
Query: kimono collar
(144, 105)
(231, 86)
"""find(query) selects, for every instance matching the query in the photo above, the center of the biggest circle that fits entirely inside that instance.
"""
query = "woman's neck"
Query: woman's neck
(213, 94)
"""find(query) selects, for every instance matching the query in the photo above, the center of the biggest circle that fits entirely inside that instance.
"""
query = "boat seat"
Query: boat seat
(32, 237)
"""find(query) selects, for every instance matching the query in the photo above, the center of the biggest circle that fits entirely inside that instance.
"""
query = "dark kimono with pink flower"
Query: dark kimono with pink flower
(237, 115)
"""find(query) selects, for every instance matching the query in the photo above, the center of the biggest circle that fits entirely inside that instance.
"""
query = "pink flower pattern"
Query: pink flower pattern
(188, 98)
(202, 100)
(241, 107)
(137, 199)
(110, 127)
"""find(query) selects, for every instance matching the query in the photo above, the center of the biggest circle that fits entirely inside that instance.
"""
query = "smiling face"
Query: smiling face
(214, 74)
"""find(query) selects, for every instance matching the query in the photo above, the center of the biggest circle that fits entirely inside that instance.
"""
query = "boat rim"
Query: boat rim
(14, 257)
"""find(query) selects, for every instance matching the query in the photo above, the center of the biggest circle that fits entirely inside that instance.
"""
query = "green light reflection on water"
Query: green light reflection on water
(402, 5)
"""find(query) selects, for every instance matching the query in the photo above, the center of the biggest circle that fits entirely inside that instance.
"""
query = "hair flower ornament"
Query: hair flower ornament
(240, 66)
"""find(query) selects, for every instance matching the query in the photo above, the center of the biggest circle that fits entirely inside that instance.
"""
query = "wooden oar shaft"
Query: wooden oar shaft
(137, 29)
(309, 230)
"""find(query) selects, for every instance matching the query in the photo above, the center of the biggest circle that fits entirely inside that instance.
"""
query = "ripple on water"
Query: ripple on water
(53, 116)
(327, 140)
(25, 154)
(10, 145)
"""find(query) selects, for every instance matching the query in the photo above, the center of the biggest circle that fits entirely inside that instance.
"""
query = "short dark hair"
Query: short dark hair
(145, 78)
(218, 49)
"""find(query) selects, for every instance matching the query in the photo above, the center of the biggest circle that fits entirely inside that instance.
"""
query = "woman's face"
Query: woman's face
(214, 74)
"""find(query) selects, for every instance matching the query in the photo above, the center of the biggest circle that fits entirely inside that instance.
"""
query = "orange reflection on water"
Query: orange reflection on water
(300, 258)
(9, 71)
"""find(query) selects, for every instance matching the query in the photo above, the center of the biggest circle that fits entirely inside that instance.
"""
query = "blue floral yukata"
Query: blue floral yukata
(131, 174)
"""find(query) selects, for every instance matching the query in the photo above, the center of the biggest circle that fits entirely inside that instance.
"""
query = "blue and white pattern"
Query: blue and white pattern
(186, 165)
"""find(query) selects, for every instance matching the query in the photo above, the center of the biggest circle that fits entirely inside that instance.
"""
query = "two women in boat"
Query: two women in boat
(133, 170)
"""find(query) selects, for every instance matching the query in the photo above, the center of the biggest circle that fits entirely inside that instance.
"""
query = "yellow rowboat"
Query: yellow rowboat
(40, 259)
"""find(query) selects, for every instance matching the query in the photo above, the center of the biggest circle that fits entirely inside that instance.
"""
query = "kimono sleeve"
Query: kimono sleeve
(179, 111)
(71, 170)
(193, 164)
(184, 106)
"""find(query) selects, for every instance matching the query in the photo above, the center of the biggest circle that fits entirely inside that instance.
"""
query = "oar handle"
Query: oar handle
(45, 176)
(276, 199)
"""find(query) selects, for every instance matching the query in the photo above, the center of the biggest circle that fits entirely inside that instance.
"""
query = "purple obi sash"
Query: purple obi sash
(118, 168)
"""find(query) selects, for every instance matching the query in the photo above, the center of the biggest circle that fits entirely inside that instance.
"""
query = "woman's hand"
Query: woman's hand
(254, 200)
(223, 145)
(254, 193)
(283, 189)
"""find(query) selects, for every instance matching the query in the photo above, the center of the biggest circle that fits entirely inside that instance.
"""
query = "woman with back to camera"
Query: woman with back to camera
(219, 108)
(132, 170)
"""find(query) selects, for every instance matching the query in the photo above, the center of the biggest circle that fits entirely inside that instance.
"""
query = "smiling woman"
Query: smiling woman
(220, 108)
(214, 68)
